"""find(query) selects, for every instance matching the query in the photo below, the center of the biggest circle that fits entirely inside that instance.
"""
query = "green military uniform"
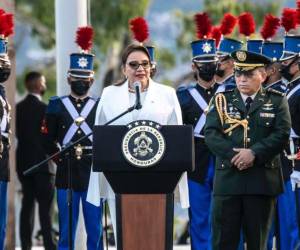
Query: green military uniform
(246, 197)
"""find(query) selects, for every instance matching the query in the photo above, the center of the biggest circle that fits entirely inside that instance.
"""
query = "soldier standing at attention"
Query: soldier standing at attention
(246, 128)
(6, 29)
(194, 101)
(68, 118)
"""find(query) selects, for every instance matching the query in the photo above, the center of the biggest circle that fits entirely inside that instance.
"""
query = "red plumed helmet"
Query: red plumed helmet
(6, 23)
(270, 26)
(84, 37)
(289, 19)
(139, 29)
(246, 24)
(227, 24)
(203, 25)
(216, 34)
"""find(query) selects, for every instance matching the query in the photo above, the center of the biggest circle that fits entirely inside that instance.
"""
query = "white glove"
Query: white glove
(295, 179)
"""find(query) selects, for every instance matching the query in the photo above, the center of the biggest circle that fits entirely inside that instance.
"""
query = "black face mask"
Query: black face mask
(285, 70)
(4, 74)
(220, 72)
(207, 71)
(80, 88)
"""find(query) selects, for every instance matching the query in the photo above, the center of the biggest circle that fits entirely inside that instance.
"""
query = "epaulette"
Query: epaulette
(54, 98)
(54, 104)
(270, 90)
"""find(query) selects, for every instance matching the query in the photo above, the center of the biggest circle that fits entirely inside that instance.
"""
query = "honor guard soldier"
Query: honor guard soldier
(246, 128)
(194, 101)
(224, 74)
(6, 29)
(68, 118)
(291, 72)
(274, 51)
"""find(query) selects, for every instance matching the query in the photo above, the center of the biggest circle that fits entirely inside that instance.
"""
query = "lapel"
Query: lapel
(258, 100)
(149, 99)
(237, 101)
(121, 95)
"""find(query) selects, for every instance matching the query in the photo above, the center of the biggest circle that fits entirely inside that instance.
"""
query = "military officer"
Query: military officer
(194, 100)
(246, 128)
(5, 69)
(68, 118)
(224, 74)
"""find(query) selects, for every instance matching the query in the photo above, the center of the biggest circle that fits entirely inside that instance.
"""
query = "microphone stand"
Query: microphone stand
(66, 151)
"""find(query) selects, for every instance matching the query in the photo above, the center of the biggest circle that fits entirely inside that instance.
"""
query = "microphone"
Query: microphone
(137, 87)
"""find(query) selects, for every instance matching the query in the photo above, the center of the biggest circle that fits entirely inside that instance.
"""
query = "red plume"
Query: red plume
(270, 26)
(203, 25)
(139, 29)
(84, 37)
(246, 24)
(6, 24)
(2, 12)
(216, 34)
(289, 19)
(298, 11)
(227, 24)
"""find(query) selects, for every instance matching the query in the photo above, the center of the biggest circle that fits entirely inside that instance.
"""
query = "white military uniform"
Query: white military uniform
(159, 104)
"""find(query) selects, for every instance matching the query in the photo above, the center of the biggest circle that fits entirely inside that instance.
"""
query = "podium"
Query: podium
(144, 195)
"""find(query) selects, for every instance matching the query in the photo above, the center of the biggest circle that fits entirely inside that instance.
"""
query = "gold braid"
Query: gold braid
(221, 105)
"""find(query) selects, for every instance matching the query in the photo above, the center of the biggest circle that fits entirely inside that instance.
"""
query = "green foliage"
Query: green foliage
(40, 14)
(165, 58)
(110, 19)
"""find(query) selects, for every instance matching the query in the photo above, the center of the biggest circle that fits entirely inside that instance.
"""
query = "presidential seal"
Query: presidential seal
(143, 145)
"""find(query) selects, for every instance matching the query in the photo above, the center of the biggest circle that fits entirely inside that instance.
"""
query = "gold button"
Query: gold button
(79, 132)
(208, 92)
(248, 128)
(196, 118)
(222, 165)
(78, 105)
(267, 123)
(248, 116)
(248, 139)
(63, 126)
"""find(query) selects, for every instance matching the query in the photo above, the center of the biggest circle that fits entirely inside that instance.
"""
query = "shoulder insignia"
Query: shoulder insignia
(270, 90)
(54, 98)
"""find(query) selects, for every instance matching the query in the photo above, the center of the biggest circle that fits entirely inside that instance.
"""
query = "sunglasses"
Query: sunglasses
(135, 64)
(239, 73)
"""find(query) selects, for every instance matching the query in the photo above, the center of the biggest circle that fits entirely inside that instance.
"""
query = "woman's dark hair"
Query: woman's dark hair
(130, 49)
(133, 48)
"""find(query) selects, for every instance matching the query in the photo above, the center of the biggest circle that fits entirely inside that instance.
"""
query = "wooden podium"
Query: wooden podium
(144, 196)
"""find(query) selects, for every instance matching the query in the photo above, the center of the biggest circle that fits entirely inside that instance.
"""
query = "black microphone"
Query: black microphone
(137, 87)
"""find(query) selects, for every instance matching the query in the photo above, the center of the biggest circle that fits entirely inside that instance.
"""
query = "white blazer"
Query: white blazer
(160, 105)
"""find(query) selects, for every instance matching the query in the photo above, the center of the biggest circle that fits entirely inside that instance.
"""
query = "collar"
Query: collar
(292, 82)
(273, 83)
(228, 77)
(244, 97)
(39, 97)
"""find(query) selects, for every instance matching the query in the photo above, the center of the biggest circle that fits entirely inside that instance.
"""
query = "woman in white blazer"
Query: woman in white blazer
(159, 104)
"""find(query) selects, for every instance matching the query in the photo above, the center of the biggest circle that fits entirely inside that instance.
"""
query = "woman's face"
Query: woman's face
(137, 68)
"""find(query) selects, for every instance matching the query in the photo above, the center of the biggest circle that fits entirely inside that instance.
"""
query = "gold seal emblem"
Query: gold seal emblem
(241, 56)
(143, 145)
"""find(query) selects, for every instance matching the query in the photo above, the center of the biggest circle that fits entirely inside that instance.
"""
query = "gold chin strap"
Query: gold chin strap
(221, 105)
